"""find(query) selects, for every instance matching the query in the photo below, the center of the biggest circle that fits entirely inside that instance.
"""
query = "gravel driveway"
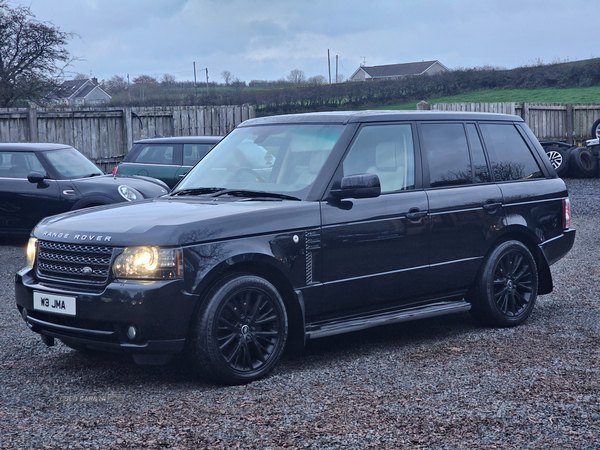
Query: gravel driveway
(441, 383)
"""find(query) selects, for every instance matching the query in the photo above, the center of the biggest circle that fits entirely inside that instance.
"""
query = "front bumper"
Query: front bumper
(161, 312)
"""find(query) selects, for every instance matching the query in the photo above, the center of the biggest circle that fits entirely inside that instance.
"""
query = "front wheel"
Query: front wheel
(241, 330)
(596, 129)
(507, 287)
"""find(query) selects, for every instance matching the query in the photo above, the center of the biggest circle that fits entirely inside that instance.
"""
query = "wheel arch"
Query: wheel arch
(545, 285)
(262, 266)
(92, 200)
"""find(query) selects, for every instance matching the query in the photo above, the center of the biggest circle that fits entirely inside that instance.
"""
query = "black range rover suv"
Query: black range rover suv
(303, 226)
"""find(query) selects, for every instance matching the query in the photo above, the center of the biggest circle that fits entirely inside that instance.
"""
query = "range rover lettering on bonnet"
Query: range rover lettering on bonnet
(77, 237)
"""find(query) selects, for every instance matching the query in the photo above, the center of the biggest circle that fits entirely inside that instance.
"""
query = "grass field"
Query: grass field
(572, 95)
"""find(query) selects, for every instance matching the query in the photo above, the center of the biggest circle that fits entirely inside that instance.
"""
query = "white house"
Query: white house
(81, 93)
(395, 71)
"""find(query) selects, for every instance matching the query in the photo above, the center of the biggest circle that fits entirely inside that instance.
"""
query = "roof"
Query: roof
(71, 87)
(397, 70)
(77, 89)
(181, 140)
(31, 147)
(344, 117)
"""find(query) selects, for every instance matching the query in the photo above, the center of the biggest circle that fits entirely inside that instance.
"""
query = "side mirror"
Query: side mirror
(364, 185)
(36, 178)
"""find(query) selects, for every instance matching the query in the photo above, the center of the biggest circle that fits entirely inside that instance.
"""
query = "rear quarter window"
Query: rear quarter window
(511, 157)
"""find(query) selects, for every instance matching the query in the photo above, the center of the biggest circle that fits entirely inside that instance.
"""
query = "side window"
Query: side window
(447, 154)
(482, 172)
(19, 164)
(388, 152)
(510, 156)
(192, 153)
(156, 154)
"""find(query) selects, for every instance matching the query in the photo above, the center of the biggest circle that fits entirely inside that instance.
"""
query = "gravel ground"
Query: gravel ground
(442, 383)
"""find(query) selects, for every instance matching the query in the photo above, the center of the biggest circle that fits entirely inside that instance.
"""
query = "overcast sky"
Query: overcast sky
(266, 39)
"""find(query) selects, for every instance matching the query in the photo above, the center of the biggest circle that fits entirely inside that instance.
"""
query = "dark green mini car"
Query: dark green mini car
(167, 159)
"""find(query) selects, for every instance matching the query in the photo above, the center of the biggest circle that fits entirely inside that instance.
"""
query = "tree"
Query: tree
(238, 84)
(145, 80)
(296, 77)
(32, 56)
(167, 78)
(317, 79)
(80, 76)
(115, 84)
(227, 77)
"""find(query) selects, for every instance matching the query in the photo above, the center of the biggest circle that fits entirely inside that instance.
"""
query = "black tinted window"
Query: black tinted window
(155, 154)
(388, 152)
(482, 173)
(192, 153)
(447, 154)
(510, 156)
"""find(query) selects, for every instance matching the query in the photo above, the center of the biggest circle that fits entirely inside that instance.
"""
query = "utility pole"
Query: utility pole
(207, 81)
(336, 69)
(128, 89)
(329, 65)
(195, 84)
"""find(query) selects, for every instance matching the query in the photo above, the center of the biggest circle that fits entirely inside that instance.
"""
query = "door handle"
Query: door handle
(492, 207)
(415, 214)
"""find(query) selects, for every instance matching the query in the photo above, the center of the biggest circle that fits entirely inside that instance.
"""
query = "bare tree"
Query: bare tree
(317, 79)
(80, 76)
(238, 84)
(167, 79)
(227, 77)
(115, 84)
(297, 77)
(32, 56)
(145, 80)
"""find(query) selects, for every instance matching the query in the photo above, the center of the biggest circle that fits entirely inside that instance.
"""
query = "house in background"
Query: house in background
(395, 71)
(81, 93)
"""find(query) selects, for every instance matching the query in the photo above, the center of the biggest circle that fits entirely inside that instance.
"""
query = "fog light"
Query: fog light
(132, 332)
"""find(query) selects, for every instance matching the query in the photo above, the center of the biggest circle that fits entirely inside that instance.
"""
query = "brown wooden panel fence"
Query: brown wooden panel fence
(106, 135)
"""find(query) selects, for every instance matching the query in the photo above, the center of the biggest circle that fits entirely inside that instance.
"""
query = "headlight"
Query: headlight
(31, 250)
(149, 263)
(129, 193)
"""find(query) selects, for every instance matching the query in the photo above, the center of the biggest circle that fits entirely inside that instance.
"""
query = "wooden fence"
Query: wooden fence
(567, 122)
(106, 135)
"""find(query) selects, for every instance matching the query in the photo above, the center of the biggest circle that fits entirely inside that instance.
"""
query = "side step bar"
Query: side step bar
(315, 331)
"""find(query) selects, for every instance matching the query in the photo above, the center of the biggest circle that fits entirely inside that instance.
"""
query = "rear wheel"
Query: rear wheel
(582, 163)
(241, 330)
(506, 290)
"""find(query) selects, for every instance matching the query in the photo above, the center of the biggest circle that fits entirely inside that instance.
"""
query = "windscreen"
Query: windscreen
(273, 158)
(69, 163)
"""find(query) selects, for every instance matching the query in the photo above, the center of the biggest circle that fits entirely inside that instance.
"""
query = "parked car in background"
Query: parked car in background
(304, 226)
(167, 159)
(40, 180)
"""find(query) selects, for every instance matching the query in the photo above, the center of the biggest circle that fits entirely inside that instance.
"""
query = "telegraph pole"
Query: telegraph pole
(195, 84)
(329, 65)
(336, 69)
(207, 81)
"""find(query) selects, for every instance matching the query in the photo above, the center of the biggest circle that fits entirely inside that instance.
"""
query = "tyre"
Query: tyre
(559, 158)
(241, 330)
(582, 163)
(506, 289)
(596, 129)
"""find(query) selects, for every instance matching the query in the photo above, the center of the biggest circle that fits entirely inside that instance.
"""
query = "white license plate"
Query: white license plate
(58, 304)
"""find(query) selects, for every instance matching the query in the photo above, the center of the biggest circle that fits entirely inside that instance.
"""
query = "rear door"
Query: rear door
(465, 205)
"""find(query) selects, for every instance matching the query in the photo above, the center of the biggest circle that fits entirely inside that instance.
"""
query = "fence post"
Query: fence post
(570, 124)
(32, 122)
(423, 106)
(127, 129)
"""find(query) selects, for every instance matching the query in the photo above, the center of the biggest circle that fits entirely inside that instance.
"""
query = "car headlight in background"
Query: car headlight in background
(149, 263)
(31, 251)
(129, 193)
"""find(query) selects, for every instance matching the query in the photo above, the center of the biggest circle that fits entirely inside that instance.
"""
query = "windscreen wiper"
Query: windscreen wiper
(197, 191)
(255, 194)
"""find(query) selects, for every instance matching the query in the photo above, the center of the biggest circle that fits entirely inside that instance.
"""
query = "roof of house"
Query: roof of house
(397, 70)
(77, 88)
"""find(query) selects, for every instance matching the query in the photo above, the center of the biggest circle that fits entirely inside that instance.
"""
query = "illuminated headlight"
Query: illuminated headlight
(149, 263)
(31, 250)
(129, 193)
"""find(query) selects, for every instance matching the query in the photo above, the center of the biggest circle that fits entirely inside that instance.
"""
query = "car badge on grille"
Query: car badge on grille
(87, 270)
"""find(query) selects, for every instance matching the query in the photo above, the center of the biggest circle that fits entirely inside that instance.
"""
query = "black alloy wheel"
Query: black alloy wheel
(241, 332)
(507, 288)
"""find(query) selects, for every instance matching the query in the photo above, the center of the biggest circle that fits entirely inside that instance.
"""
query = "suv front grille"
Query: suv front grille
(74, 262)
